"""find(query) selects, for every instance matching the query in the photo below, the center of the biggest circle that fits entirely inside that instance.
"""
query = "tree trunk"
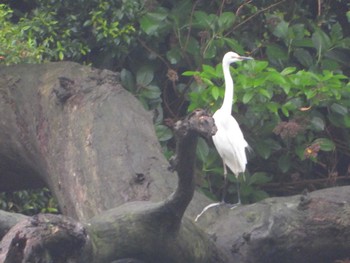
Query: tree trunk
(76, 130)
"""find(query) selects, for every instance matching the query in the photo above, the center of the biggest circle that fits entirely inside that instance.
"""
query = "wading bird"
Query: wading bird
(229, 140)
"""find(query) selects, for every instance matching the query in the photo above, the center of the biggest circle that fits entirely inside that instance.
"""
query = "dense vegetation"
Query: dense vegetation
(292, 101)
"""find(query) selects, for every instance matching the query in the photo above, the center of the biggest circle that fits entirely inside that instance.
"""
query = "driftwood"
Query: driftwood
(77, 131)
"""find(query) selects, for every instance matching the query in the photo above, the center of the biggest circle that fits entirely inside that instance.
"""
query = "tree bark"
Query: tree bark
(76, 130)
(313, 227)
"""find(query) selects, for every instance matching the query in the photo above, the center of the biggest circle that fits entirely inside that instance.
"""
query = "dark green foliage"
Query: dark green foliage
(292, 101)
(29, 202)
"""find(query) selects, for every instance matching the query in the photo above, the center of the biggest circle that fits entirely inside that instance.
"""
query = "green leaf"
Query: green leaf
(265, 147)
(174, 55)
(265, 93)
(284, 163)
(321, 41)
(151, 92)
(276, 53)
(226, 20)
(325, 144)
(203, 20)
(260, 65)
(281, 30)
(190, 73)
(144, 75)
(215, 92)
(202, 150)
(247, 97)
(151, 22)
(288, 70)
(234, 45)
(127, 80)
(259, 178)
(304, 57)
(335, 107)
(210, 51)
(272, 106)
(193, 46)
(285, 110)
(60, 55)
(336, 32)
(163, 133)
(208, 71)
(317, 123)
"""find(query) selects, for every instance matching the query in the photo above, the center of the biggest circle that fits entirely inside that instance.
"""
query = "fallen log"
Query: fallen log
(77, 131)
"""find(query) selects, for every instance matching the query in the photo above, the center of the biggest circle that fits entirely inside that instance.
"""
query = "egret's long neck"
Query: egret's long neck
(227, 104)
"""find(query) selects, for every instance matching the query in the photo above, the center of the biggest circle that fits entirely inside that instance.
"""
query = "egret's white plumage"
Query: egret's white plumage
(229, 140)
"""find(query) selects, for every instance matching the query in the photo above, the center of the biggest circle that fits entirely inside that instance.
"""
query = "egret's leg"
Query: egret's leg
(238, 194)
(238, 191)
(225, 184)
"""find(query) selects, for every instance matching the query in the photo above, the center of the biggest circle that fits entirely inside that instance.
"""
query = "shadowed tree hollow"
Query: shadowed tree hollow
(76, 130)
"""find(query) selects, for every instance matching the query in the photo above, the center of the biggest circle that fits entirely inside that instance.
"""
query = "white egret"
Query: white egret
(229, 140)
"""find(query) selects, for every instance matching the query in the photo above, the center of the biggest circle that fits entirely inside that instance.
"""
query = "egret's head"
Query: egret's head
(231, 57)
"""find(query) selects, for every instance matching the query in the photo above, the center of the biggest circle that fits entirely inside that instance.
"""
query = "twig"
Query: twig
(252, 16)
(154, 52)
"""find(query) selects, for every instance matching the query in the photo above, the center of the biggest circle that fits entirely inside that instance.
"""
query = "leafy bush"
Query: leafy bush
(29, 202)
(289, 118)
(16, 45)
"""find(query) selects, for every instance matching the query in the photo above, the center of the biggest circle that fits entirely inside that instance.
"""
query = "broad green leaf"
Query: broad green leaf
(276, 53)
(151, 92)
(202, 150)
(260, 65)
(259, 178)
(281, 30)
(190, 73)
(174, 55)
(127, 80)
(209, 71)
(265, 93)
(336, 32)
(288, 70)
(203, 20)
(347, 121)
(247, 97)
(321, 41)
(265, 147)
(151, 22)
(317, 123)
(144, 75)
(304, 57)
(163, 133)
(234, 45)
(305, 42)
(339, 109)
(310, 93)
(325, 144)
(210, 51)
(284, 163)
(226, 20)
(215, 92)
(272, 106)
(285, 111)
(193, 46)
